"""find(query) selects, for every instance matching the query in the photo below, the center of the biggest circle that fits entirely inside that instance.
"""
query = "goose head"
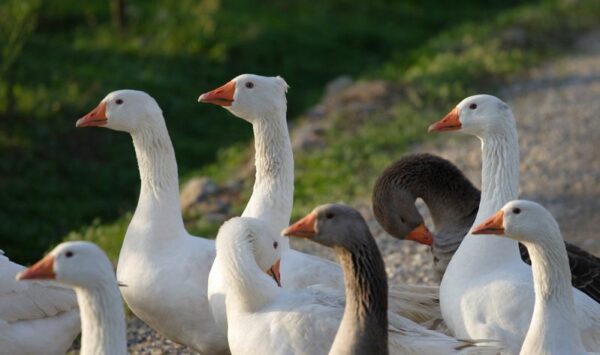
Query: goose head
(124, 110)
(399, 217)
(264, 244)
(330, 225)
(522, 220)
(479, 115)
(77, 264)
(250, 97)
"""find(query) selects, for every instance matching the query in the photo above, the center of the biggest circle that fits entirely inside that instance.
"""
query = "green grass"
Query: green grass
(346, 168)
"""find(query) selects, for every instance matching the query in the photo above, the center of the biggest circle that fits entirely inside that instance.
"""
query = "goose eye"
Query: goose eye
(118, 101)
(402, 220)
(249, 85)
(329, 215)
(69, 254)
(473, 106)
(516, 210)
(275, 245)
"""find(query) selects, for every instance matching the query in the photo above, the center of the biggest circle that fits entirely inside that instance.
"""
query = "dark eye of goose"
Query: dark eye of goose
(402, 220)
(69, 254)
(275, 245)
(473, 106)
(118, 101)
(249, 85)
(329, 215)
(516, 210)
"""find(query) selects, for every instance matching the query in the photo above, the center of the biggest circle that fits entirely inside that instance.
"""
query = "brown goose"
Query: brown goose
(453, 202)
(363, 329)
(366, 327)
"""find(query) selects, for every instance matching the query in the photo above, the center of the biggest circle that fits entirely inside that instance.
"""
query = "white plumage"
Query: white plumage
(35, 318)
(487, 291)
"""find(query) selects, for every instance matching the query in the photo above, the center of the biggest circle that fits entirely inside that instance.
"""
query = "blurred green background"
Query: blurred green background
(60, 58)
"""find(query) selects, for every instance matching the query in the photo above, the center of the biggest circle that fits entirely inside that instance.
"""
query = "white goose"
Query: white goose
(487, 291)
(165, 269)
(553, 329)
(35, 318)
(262, 102)
(266, 319)
(85, 267)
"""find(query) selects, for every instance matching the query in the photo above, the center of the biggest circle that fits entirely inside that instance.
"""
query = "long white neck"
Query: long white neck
(273, 193)
(499, 185)
(500, 172)
(102, 319)
(249, 288)
(158, 207)
(554, 321)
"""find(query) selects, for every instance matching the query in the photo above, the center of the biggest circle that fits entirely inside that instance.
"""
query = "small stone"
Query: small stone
(196, 190)
(338, 85)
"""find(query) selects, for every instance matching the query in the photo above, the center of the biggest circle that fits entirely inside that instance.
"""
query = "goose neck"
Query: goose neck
(450, 197)
(102, 320)
(499, 185)
(500, 171)
(159, 194)
(551, 271)
(554, 302)
(365, 316)
(449, 201)
(272, 196)
(250, 287)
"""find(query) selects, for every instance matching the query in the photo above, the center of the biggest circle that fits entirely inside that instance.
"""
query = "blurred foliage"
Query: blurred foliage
(17, 22)
(55, 179)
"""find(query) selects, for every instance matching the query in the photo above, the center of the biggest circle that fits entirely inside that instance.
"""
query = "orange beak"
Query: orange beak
(274, 272)
(96, 117)
(450, 122)
(304, 228)
(420, 234)
(43, 269)
(493, 225)
(222, 96)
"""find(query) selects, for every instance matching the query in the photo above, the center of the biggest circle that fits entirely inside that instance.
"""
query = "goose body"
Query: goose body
(453, 202)
(35, 318)
(262, 102)
(85, 267)
(553, 329)
(487, 291)
(165, 268)
(266, 319)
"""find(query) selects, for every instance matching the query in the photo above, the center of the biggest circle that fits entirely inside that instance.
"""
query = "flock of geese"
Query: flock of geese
(247, 292)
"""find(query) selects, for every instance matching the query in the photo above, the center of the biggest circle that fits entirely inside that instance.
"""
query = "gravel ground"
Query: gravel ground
(556, 106)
